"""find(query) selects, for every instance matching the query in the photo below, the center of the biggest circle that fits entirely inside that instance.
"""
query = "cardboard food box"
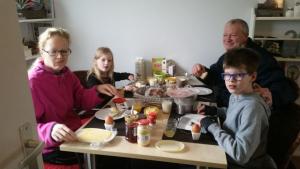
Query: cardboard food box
(157, 65)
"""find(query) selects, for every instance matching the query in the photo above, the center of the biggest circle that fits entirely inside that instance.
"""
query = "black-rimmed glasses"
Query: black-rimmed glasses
(234, 76)
(63, 52)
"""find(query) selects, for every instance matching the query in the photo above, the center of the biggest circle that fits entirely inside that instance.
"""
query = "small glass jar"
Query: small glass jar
(289, 12)
(143, 132)
(131, 128)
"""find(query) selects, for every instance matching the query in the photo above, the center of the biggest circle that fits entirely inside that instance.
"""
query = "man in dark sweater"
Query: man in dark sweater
(275, 87)
(272, 85)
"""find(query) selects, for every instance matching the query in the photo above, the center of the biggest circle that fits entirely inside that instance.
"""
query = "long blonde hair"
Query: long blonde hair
(94, 70)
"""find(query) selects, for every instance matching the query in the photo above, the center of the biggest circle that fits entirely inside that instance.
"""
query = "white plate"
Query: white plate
(182, 92)
(187, 120)
(103, 113)
(203, 90)
(169, 146)
(95, 135)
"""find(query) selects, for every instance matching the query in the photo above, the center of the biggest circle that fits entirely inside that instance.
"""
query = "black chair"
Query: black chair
(283, 135)
(291, 151)
(82, 76)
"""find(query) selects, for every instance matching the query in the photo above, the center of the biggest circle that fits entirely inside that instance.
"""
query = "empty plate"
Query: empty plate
(169, 146)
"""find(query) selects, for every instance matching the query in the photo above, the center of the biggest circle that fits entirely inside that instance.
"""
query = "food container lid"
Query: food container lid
(144, 122)
(119, 100)
(153, 113)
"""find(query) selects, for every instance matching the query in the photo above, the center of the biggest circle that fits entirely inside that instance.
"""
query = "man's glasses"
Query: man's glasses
(63, 52)
(235, 76)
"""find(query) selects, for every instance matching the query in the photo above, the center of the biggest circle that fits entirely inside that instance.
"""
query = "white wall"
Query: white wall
(187, 31)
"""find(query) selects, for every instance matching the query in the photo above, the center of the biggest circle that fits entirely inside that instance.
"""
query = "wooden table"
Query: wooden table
(193, 154)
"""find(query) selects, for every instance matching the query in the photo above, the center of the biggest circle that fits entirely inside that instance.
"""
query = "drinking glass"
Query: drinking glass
(171, 128)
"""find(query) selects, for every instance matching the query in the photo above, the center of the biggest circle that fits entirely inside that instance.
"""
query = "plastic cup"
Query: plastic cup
(166, 106)
(181, 82)
(152, 81)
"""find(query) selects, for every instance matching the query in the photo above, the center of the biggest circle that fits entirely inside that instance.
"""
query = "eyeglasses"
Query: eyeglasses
(63, 52)
(235, 76)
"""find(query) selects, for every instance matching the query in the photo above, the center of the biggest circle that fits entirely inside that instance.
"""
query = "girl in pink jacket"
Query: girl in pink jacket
(56, 92)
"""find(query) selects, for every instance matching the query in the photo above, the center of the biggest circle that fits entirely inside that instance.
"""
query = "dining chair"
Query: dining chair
(82, 76)
(283, 137)
(292, 150)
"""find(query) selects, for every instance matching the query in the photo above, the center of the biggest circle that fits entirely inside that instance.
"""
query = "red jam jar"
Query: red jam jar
(131, 128)
(131, 132)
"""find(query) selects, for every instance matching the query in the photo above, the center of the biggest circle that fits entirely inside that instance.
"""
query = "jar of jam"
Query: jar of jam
(131, 128)
(143, 132)
(131, 132)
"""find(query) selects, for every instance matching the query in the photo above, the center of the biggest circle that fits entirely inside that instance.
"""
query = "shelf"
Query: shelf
(277, 18)
(36, 20)
(286, 59)
(31, 57)
(291, 39)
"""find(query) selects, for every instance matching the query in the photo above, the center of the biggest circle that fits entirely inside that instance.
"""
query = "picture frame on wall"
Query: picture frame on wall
(292, 71)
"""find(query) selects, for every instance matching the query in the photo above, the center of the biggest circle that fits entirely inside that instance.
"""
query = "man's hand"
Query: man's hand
(265, 93)
(61, 132)
(198, 70)
(108, 90)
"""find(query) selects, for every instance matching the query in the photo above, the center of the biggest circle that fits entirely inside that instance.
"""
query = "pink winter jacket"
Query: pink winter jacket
(54, 98)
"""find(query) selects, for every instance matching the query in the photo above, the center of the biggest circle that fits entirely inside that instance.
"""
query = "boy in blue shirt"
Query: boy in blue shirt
(243, 135)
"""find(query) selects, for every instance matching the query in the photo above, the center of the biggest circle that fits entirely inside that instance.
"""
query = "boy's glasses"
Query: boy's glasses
(234, 76)
(63, 52)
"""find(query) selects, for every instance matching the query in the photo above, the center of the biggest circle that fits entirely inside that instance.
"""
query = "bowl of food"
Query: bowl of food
(152, 94)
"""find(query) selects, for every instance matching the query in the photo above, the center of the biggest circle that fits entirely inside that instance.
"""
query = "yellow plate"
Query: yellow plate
(169, 146)
(91, 135)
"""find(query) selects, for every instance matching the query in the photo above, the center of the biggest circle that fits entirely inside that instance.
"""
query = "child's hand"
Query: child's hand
(108, 90)
(130, 88)
(131, 77)
(61, 132)
(206, 110)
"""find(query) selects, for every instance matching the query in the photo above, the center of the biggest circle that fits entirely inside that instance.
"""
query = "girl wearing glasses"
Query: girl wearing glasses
(244, 132)
(56, 91)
